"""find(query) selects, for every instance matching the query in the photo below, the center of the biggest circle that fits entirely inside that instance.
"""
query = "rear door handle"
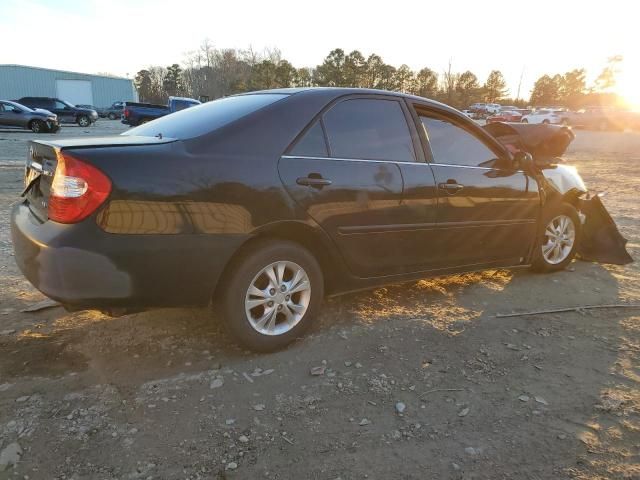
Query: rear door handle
(451, 186)
(313, 180)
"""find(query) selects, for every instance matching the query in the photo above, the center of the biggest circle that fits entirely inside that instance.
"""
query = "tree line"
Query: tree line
(213, 73)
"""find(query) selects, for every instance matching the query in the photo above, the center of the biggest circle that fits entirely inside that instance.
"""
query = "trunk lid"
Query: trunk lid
(42, 160)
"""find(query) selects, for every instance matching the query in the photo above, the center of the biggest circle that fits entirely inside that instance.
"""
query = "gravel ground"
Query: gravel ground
(412, 381)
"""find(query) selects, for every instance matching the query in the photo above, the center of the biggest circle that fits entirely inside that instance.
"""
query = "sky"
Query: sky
(529, 38)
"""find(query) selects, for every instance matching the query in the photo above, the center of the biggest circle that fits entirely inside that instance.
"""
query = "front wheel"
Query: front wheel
(557, 245)
(84, 121)
(524, 120)
(271, 295)
(37, 126)
(112, 116)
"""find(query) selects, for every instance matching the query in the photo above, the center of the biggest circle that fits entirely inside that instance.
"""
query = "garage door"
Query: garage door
(77, 92)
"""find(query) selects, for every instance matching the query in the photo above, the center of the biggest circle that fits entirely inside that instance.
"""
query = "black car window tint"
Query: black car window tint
(312, 143)
(453, 145)
(369, 129)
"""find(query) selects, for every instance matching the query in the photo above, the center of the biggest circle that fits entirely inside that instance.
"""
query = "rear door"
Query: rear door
(344, 171)
(487, 212)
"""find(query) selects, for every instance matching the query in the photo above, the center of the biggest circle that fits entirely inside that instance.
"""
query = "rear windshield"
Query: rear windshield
(195, 121)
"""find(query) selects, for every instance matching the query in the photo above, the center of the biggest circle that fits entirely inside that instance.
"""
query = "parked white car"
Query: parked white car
(546, 115)
(492, 108)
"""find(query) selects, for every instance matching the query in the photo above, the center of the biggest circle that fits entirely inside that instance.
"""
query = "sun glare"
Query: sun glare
(628, 87)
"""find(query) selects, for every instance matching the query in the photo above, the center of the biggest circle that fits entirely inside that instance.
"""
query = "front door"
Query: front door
(352, 186)
(486, 214)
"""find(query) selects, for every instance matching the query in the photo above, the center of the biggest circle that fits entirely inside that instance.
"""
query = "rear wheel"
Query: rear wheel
(84, 121)
(546, 122)
(37, 126)
(557, 246)
(524, 120)
(271, 295)
(112, 116)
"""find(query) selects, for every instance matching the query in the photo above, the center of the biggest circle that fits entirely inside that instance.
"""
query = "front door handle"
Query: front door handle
(314, 180)
(451, 186)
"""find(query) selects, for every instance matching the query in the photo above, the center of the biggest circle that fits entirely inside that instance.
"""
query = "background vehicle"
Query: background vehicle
(604, 118)
(505, 116)
(546, 116)
(100, 111)
(138, 113)
(263, 201)
(114, 111)
(66, 112)
(13, 114)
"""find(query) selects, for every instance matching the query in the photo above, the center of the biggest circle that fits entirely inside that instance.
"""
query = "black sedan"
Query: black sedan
(265, 202)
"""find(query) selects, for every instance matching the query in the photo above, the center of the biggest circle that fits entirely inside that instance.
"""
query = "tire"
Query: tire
(546, 122)
(83, 121)
(524, 120)
(564, 122)
(557, 258)
(244, 312)
(112, 116)
(37, 126)
(144, 120)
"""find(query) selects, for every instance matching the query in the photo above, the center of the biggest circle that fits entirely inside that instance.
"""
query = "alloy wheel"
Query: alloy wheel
(277, 298)
(559, 238)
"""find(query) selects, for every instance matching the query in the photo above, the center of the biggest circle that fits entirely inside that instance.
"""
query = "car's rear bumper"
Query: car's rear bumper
(82, 266)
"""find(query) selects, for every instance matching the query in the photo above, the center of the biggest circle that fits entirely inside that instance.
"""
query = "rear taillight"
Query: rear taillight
(126, 113)
(77, 190)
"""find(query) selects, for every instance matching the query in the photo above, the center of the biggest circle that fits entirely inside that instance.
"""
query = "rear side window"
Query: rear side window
(312, 143)
(369, 129)
(453, 145)
(201, 119)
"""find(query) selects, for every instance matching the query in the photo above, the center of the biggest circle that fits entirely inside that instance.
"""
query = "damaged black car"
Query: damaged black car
(263, 203)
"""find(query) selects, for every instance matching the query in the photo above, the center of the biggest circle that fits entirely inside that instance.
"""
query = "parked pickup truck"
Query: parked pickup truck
(135, 114)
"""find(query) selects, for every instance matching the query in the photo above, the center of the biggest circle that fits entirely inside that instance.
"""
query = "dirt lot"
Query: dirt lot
(165, 395)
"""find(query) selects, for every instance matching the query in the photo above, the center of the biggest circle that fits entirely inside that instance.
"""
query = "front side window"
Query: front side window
(312, 143)
(369, 129)
(60, 105)
(453, 145)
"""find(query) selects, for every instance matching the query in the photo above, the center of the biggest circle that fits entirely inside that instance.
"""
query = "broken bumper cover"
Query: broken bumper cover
(600, 240)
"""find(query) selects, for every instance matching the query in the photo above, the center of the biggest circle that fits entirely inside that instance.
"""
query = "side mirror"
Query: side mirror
(523, 161)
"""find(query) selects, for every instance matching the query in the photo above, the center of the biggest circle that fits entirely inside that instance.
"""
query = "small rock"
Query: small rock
(316, 371)
(347, 364)
(455, 466)
(7, 332)
(396, 435)
(243, 439)
(541, 400)
(217, 382)
(259, 407)
(268, 371)
(464, 412)
(364, 421)
(562, 436)
(400, 407)
(231, 466)
(230, 421)
(10, 455)
(523, 398)
(358, 365)
(472, 451)
(22, 399)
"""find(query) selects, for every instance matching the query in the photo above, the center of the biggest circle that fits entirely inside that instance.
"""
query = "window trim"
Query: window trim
(502, 155)
(303, 133)
(418, 148)
(387, 98)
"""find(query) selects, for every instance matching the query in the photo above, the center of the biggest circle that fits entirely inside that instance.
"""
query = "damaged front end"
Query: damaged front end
(600, 240)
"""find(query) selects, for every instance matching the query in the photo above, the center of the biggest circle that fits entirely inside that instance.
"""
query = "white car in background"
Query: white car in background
(546, 115)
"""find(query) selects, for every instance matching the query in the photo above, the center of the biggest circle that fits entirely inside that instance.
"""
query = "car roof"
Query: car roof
(332, 93)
